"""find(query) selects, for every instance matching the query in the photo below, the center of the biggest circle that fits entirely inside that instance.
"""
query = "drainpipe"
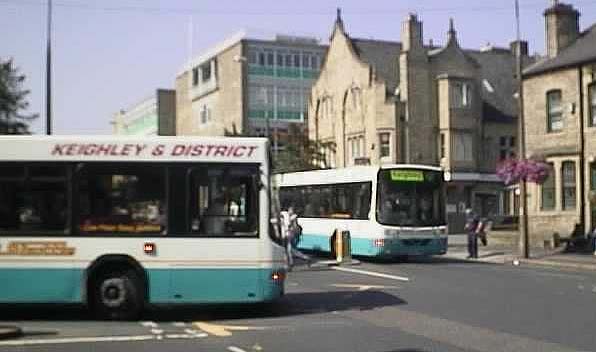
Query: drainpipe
(582, 156)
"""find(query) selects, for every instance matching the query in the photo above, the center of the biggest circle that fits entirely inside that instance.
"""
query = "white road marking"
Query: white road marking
(149, 324)
(179, 336)
(370, 273)
(76, 340)
(179, 324)
(157, 331)
(364, 287)
(235, 349)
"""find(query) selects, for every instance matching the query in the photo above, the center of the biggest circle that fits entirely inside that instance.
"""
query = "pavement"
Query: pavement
(422, 305)
(500, 254)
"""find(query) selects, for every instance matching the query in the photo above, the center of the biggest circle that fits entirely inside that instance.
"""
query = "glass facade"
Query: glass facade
(279, 80)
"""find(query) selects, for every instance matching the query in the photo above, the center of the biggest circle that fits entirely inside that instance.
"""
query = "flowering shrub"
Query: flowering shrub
(513, 171)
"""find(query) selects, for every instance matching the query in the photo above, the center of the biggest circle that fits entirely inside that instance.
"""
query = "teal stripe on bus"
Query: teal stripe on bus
(38, 285)
(229, 285)
(366, 247)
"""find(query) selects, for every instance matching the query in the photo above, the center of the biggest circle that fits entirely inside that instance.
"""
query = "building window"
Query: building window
(297, 60)
(205, 115)
(464, 147)
(280, 60)
(442, 146)
(252, 57)
(195, 76)
(548, 190)
(462, 95)
(506, 147)
(384, 144)
(592, 103)
(288, 60)
(568, 182)
(554, 108)
(206, 72)
(270, 59)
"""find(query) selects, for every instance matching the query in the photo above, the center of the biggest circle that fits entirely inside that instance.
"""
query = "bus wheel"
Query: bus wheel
(117, 295)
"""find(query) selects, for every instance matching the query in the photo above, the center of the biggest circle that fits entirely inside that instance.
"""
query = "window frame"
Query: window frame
(382, 145)
(592, 104)
(550, 114)
(553, 188)
(26, 179)
(568, 184)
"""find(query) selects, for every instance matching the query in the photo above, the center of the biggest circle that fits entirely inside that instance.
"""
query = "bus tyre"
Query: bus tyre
(117, 295)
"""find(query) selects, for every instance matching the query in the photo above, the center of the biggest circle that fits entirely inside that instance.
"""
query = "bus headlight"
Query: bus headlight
(440, 232)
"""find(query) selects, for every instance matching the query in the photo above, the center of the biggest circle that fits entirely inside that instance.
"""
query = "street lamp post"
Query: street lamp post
(524, 246)
(49, 72)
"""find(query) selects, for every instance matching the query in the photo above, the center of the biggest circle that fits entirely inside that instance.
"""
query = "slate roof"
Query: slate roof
(383, 56)
(498, 69)
(582, 50)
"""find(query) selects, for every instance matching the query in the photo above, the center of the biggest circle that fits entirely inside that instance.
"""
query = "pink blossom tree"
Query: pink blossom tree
(512, 171)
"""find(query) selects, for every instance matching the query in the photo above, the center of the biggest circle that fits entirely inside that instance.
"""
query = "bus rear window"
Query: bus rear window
(33, 202)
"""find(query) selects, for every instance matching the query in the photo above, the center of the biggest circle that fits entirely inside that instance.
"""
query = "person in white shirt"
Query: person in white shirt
(291, 233)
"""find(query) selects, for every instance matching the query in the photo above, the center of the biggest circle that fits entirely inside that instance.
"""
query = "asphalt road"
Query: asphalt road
(443, 306)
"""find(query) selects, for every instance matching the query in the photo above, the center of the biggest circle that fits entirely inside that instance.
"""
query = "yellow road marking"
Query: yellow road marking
(224, 330)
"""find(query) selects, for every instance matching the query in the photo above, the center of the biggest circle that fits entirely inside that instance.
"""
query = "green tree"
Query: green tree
(301, 153)
(13, 100)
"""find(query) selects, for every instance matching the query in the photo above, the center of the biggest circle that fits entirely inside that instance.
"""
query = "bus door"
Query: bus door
(222, 216)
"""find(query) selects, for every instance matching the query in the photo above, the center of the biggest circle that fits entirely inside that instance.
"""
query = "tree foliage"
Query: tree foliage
(302, 153)
(299, 154)
(13, 100)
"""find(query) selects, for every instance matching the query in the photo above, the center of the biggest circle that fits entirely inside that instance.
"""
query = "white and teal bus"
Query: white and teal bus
(389, 210)
(119, 223)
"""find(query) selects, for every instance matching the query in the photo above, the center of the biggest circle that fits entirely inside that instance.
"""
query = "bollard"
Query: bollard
(343, 246)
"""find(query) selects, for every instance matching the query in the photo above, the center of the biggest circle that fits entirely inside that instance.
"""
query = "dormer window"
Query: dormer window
(461, 95)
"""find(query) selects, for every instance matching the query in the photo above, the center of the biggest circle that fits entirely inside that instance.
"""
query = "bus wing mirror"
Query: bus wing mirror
(256, 181)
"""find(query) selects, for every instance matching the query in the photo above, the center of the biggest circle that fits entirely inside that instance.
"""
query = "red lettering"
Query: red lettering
(126, 149)
(58, 149)
(140, 148)
(102, 149)
(230, 150)
(239, 152)
(178, 150)
(113, 150)
(90, 149)
(209, 148)
(158, 150)
(220, 150)
(70, 150)
(197, 150)
(251, 149)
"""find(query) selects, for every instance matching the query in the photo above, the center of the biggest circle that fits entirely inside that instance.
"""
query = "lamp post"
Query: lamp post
(49, 72)
(524, 246)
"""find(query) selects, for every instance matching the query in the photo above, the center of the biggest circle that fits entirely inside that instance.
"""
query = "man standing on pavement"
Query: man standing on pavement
(471, 227)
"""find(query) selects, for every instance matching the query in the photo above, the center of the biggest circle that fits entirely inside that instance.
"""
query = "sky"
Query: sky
(110, 54)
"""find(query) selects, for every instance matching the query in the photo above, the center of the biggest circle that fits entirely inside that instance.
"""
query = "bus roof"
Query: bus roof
(133, 149)
(343, 175)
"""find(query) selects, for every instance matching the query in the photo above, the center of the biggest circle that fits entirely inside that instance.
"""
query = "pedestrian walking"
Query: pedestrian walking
(472, 222)
(291, 231)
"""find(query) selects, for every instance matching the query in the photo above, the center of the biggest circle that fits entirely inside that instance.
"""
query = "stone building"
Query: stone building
(411, 102)
(248, 86)
(560, 126)
(153, 116)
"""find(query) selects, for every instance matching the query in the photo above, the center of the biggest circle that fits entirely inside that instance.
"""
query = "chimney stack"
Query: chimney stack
(562, 27)
(411, 33)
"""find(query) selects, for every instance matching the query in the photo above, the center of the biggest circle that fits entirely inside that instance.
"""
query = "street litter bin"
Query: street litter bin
(343, 246)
